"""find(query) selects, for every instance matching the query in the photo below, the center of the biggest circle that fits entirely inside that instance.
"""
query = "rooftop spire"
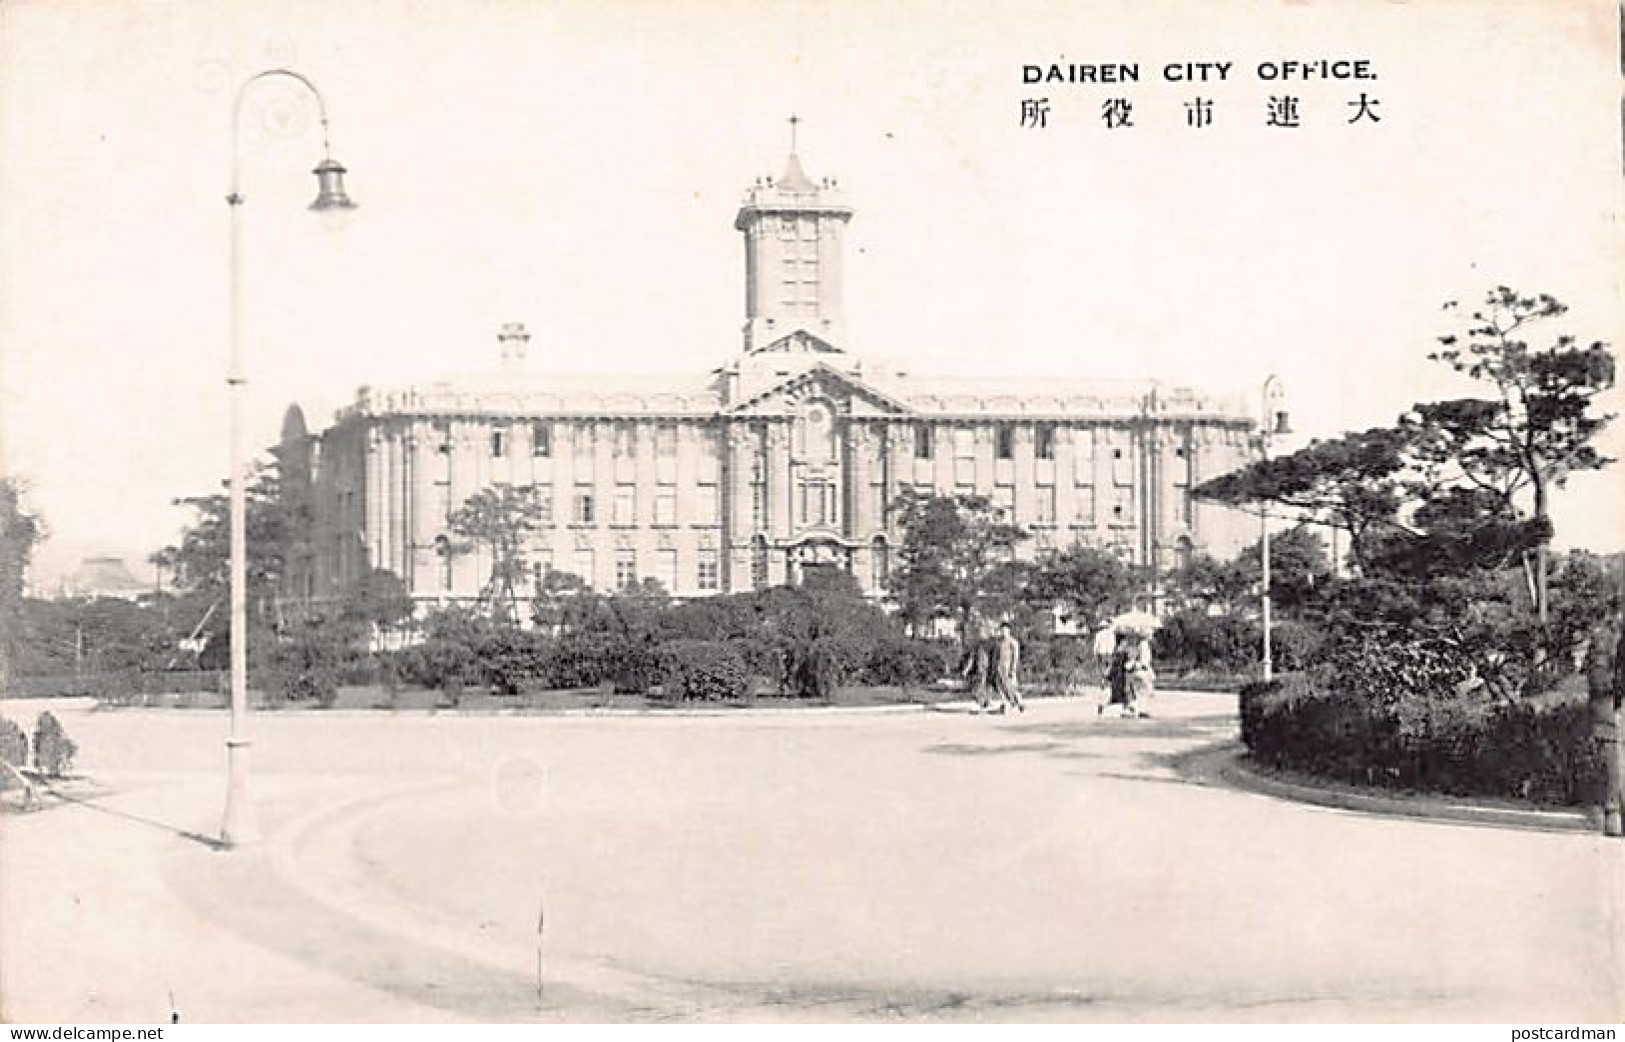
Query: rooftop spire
(795, 179)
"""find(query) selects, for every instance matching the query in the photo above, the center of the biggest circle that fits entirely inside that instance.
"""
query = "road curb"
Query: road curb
(1232, 766)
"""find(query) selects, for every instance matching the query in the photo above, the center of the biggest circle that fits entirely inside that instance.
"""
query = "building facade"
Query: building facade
(791, 454)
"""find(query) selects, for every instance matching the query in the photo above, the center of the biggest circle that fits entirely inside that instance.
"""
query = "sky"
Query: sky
(576, 165)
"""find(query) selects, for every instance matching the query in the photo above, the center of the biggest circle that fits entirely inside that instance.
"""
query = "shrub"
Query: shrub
(1402, 715)
(582, 660)
(53, 749)
(13, 744)
(308, 664)
(438, 664)
(504, 658)
(1295, 645)
(819, 668)
(638, 668)
(1205, 641)
(699, 669)
(764, 660)
(901, 662)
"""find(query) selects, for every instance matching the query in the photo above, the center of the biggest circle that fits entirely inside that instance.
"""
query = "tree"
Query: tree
(1299, 567)
(275, 530)
(1539, 426)
(950, 555)
(1357, 482)
(1204, 582)
(379, 598)
(19, 532)
(1087, 584)
(498, 520)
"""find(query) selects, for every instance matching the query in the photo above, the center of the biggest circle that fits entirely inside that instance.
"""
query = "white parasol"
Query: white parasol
(1141, 622)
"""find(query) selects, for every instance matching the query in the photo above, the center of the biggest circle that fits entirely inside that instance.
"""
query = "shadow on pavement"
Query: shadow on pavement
(89, 803)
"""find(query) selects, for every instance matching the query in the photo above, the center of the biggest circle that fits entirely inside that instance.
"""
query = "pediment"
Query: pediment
(852, 397)
(799, 342)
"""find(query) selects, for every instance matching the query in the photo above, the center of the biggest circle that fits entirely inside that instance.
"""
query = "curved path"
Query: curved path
(802, 866)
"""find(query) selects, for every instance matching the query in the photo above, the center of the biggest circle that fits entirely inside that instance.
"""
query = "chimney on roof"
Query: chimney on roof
(515, 341)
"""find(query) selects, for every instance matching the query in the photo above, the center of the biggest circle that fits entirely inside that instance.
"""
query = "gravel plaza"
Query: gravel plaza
(799, 865)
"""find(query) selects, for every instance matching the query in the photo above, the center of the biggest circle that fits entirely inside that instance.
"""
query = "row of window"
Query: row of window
(624, 435)
(584, 563)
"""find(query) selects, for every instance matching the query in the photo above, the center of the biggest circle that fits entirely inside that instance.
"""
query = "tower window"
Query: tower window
(924, 442)
(499, 443)
(541, 438)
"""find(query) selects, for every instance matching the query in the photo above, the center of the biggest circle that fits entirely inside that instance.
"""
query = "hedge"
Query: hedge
(1406, 717)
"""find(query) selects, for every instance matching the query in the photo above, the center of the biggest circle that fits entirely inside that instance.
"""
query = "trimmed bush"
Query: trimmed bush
(504, 659)
(901, 662)
(638, 668)
(53, 749)
(700, 669)
(582, 660)
(1403, 717)
(437, 664)
(13, 744)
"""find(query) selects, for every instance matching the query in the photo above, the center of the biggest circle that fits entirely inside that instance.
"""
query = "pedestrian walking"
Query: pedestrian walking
(976, 667)
(1006, 666)
(1140, 678)
(1116, 676)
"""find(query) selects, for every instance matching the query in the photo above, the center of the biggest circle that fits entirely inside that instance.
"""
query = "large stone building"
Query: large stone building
(788, 455)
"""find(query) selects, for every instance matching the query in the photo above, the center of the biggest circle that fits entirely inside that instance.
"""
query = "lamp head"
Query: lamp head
(330, 193)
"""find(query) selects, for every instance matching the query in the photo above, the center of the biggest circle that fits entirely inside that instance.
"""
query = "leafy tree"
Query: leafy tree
(949, 562)
(275, 530)
(1357, 482)
(19, 532)
(1300, 568)
(379, 598)
(499, 521)
(1539, 426)
(1204, 582)
(1087, 584)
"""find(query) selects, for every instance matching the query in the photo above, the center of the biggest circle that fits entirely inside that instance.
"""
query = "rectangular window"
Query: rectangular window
(666, 569)
(666, 440)
(583, 513)
(925, 443)
(708, 575)
(707, 505)
(499, 443)
(583, 451)
(541, 438)
(1122, 466)
(964, 443)
(1044, 441)
(1004, 499)
(585, 562)
(544, 504)
(626, 569)
(626, 443)
(541, 562)
(666, 508)
(1044, 505)
(1004, 442)
(1083, 500)
(624, 510)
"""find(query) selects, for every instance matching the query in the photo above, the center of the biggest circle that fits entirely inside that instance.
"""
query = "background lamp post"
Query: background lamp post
(238, 826)
(1273, 421)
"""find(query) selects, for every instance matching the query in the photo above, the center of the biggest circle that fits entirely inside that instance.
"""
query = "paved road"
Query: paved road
(775, 866)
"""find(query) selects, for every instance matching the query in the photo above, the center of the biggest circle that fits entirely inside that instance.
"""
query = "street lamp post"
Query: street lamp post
(1272, 421)
(237, 826)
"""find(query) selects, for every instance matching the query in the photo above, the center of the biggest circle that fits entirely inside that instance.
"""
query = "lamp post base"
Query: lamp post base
(239, 827)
